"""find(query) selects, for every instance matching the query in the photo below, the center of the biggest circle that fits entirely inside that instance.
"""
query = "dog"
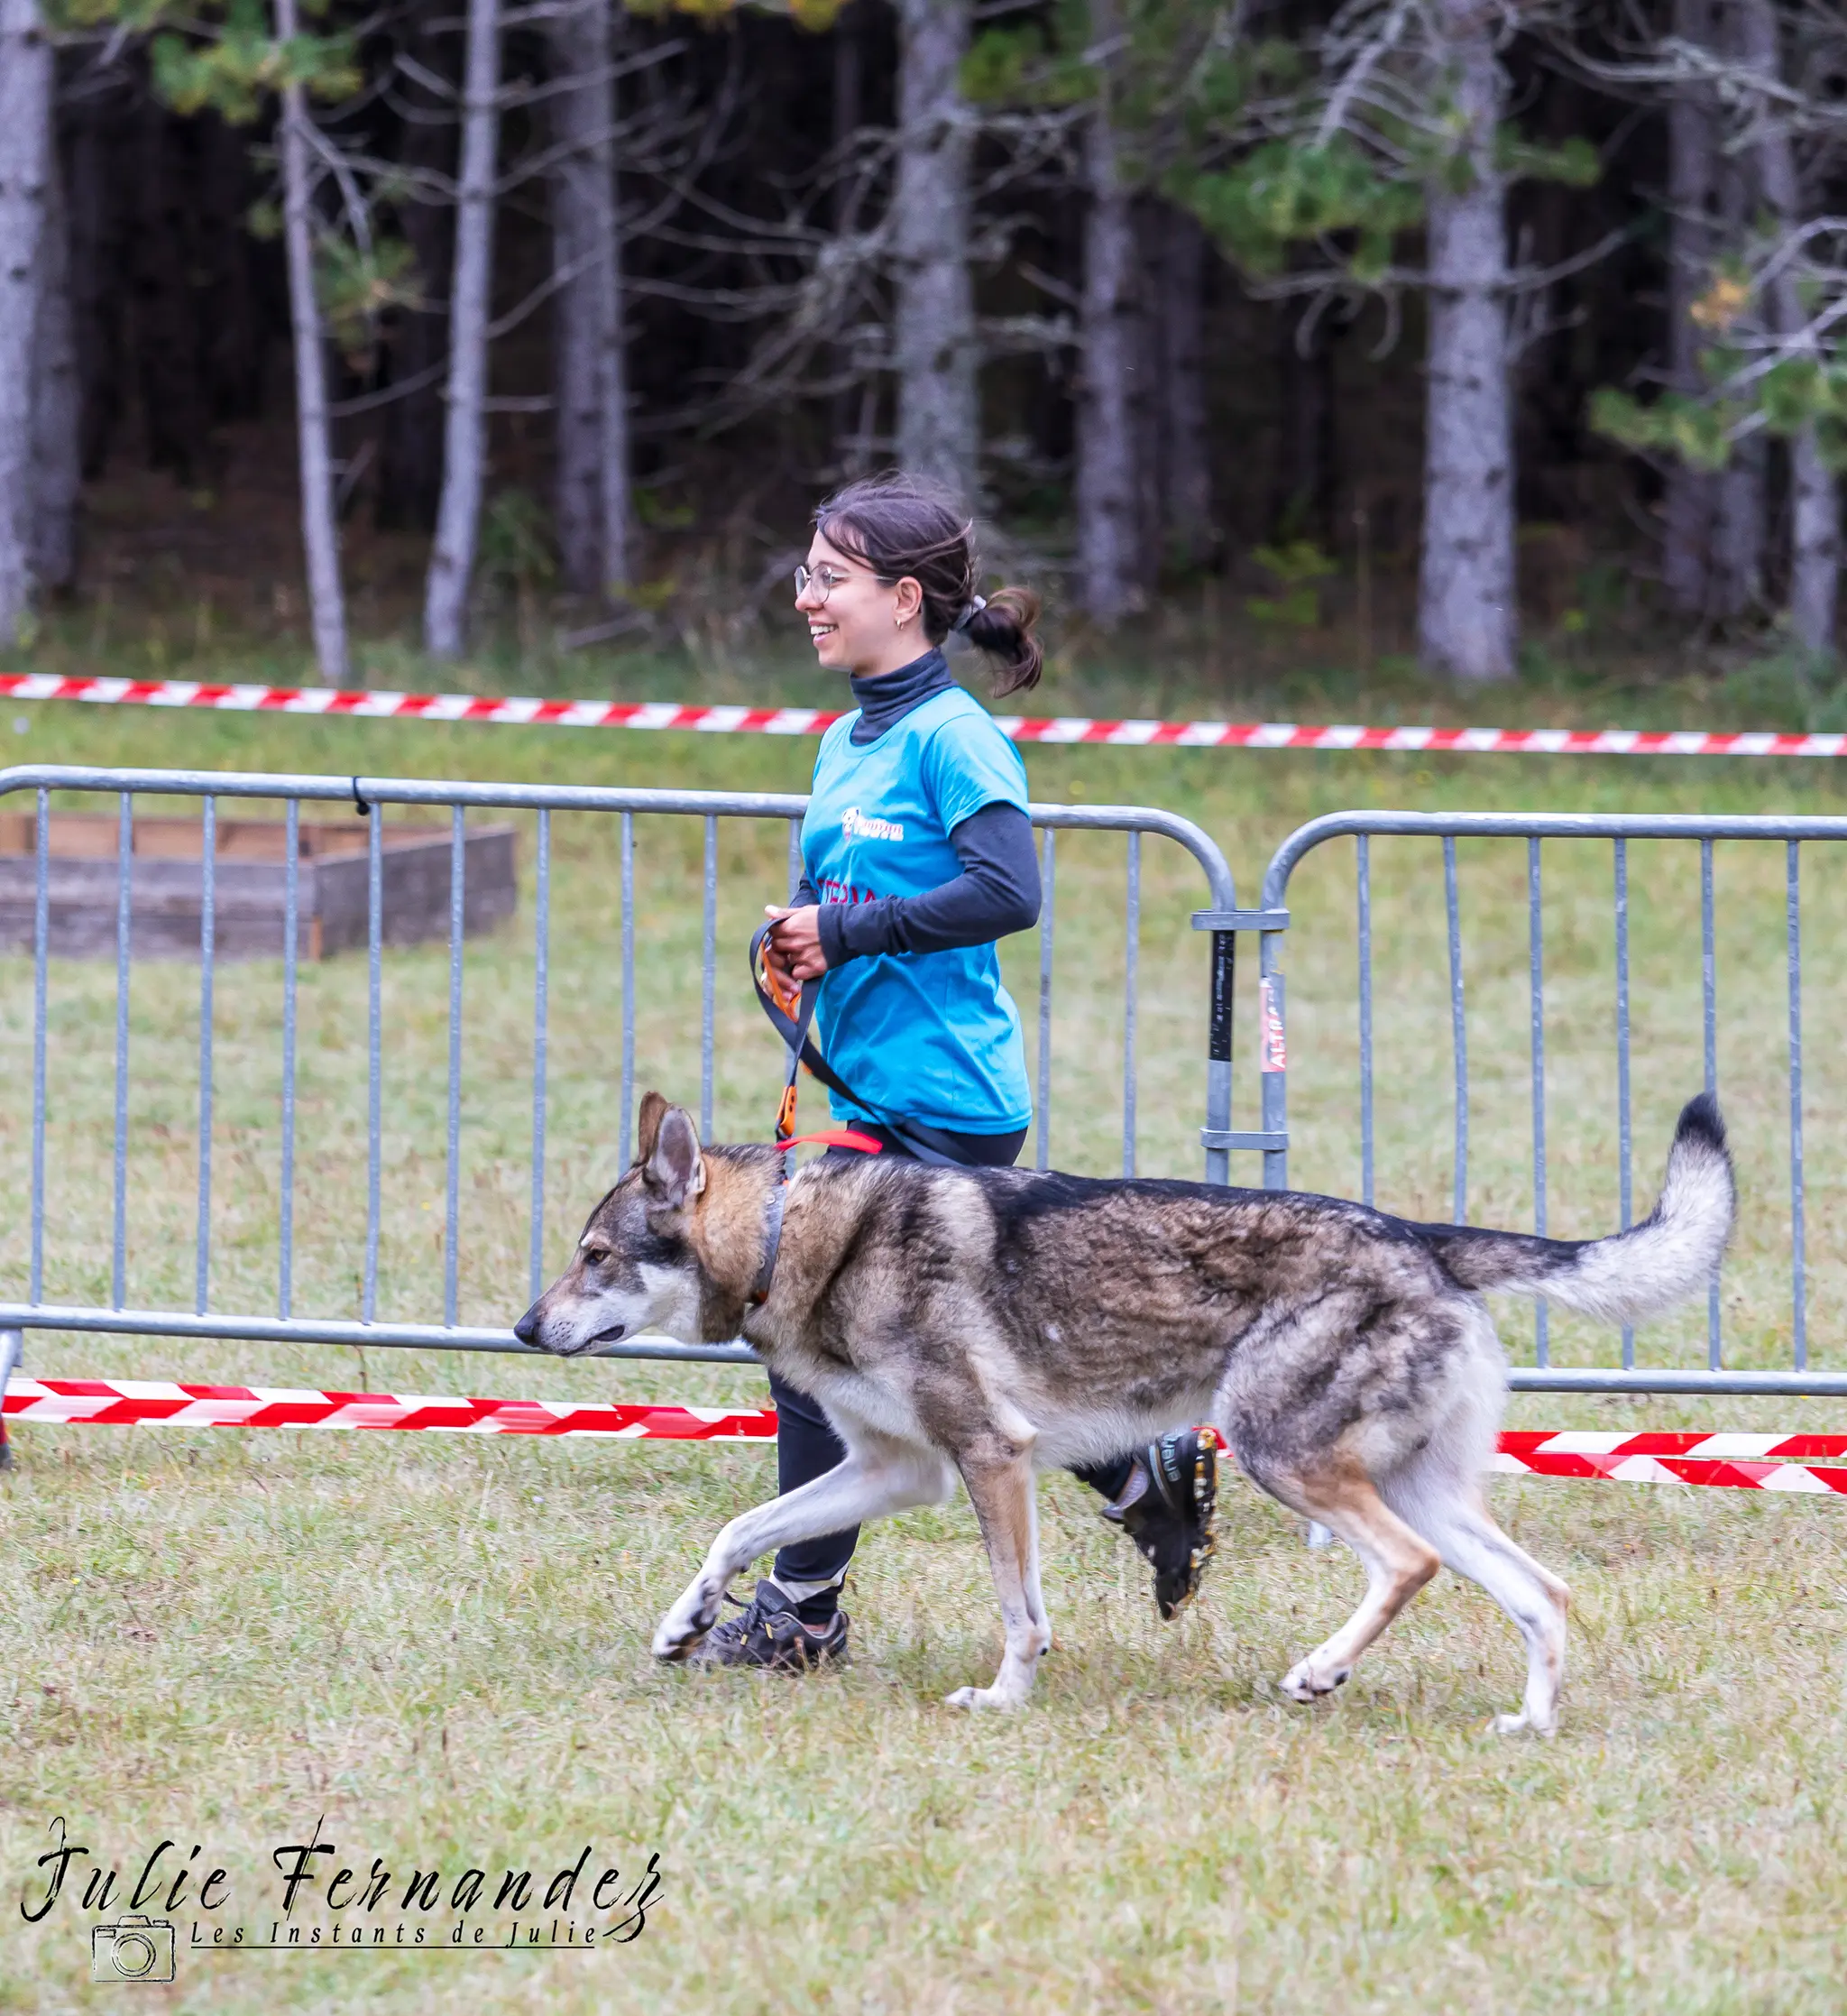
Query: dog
(991, 1322)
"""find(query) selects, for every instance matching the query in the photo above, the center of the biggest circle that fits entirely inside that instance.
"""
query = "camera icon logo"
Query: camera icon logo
(133, 1949)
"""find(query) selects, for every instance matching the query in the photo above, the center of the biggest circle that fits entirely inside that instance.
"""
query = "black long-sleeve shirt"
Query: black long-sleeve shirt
(998, 892)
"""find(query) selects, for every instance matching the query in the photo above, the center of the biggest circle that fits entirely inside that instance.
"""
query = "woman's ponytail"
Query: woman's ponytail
(1004, 630)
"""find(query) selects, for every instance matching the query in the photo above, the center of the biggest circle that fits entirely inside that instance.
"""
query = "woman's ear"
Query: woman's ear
(907, 599)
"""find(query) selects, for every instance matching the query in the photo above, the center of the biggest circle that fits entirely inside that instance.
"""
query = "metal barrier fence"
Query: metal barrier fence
(1618, 831)
(366, 796)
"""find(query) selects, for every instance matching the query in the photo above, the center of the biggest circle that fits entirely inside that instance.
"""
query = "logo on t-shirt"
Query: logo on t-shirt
(857, 825)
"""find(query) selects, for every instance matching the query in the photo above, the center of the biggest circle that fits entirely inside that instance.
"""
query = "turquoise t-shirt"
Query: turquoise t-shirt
(929, 1036)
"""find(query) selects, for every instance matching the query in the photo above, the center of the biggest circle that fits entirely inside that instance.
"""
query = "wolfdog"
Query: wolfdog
(990, 1323)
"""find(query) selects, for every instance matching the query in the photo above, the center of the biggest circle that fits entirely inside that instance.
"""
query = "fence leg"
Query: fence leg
(12, 1356)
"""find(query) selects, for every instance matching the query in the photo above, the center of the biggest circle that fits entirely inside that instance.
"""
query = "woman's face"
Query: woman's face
(856, 622)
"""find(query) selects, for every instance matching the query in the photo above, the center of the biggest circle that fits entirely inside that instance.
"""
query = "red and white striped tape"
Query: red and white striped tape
(160, 1402)
(811, 721)
(1752, 1462)
(1733, 1461)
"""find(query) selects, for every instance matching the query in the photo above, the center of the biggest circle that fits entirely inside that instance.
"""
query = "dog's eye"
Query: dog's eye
(596, 1254)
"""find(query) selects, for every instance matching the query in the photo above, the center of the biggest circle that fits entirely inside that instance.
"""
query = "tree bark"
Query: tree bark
(1690, 502)
(1468, 616)
(26, 85)
(933, 342)
(320, 535)
(1111, 564)
(592, 403)
(1814, 498)
(464, 430)
(57, 398)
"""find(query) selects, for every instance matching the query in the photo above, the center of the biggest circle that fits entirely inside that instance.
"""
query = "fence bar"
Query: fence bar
(207, 949)
(1048, 886)
(42, 938)
(541, 957)
(291, 922)
(1624, 1141)
(1536, 953)
(1362, 885)
(124, 903)
(1132, 941)
(1709, 1003)
(291, 925)
(627, 983)
(708, 971)
(452, 1177)
(374, 1089)
(1458, 1029)
(797, 868)
(1797, 1257)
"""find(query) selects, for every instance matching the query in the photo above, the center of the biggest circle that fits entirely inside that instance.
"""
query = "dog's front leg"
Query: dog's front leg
(871, 1483)
(1001, 1489)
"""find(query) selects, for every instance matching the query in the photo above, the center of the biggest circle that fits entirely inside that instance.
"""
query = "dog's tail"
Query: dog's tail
(1631, 1276)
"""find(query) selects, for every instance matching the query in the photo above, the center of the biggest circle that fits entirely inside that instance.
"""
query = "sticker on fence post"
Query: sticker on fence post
(1274, 1055)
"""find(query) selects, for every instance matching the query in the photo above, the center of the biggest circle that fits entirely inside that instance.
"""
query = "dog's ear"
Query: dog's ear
(647, 1124)
(674, 1170)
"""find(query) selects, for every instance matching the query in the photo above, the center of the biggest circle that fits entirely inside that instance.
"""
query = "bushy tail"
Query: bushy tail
(1632, 1275)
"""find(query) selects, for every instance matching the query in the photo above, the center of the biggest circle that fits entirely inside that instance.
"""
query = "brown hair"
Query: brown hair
(901, 526)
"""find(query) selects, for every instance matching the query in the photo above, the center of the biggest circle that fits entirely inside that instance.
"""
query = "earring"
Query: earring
(901, 621)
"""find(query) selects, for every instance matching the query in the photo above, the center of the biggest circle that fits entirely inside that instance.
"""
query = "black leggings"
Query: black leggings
(806, 1448)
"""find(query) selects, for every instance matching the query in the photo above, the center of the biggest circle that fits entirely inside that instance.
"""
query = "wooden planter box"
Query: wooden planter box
(167, 885)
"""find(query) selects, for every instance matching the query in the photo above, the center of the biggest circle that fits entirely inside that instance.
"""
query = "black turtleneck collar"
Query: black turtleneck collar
(885, 700)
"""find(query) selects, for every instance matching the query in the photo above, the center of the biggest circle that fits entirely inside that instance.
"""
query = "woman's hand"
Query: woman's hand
(793, 951)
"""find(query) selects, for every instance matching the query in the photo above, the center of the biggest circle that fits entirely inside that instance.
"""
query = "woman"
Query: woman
(919, 855)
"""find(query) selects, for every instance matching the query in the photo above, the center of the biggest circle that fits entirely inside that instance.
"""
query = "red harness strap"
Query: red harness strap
(836, 1137)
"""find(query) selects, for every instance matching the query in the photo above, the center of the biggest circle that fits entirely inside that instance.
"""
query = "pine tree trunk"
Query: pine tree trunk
(320, 535)
(1815, 497)
(26, 87)
(57, 401)
(1468, 616)
(1111, 565)
(592, 419)
(464, 430)
(1690, 502)
(934, 339)
(1186, 470)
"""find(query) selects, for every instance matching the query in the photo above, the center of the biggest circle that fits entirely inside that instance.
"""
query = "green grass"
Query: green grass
(441, 1646)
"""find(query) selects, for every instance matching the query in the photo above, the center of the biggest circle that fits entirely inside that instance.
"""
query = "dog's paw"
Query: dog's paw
(1309, 1680)
(1521, 1723)
(983, 1698)
(683, 1628)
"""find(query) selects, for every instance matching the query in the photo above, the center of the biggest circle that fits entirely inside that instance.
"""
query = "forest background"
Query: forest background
(1449, 337)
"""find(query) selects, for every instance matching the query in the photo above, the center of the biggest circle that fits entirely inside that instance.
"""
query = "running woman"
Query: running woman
(919, 856)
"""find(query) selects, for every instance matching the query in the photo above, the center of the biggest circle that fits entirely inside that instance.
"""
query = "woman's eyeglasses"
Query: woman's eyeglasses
(823, 580)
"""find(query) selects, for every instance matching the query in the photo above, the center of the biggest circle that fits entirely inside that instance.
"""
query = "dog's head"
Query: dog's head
(637, 1267)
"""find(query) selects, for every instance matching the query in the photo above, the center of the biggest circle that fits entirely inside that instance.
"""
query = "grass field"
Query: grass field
(441, 1647)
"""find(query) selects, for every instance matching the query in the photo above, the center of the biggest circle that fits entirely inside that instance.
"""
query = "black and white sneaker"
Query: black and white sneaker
(1167, 1508)
(769, 1632)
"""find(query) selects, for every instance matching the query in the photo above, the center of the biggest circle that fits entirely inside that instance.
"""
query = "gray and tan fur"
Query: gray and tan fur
(991, 1322)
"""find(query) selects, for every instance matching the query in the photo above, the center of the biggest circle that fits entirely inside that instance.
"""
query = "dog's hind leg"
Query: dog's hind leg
(874, 1481)
(1448, 1511)
(1001, 1489)
(1336, 1490)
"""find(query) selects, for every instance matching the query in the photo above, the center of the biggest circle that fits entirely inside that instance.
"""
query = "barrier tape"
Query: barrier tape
(160, 1402)
(1747, 1461)
(655, 714)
